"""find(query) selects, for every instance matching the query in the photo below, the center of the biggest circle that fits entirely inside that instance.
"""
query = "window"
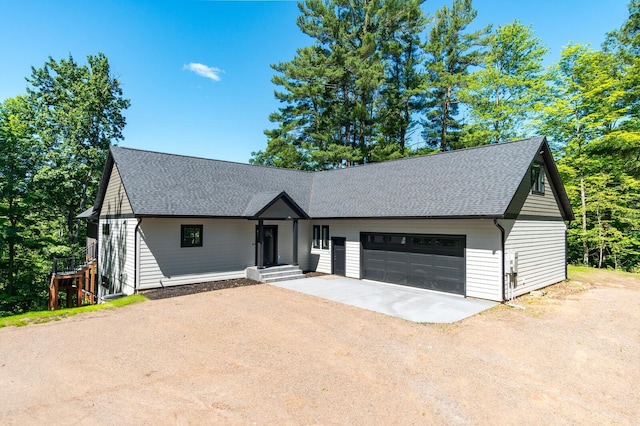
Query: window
(325, 236)
(191, 235)
(316, 236)
(321, 237)
(106, 229)
(537, 179)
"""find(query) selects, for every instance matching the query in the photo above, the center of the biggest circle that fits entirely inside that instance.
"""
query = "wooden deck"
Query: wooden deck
(79, 285)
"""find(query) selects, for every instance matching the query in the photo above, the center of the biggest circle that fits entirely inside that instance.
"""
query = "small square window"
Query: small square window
(537, 179)
(106, 229)
(316, 236)
(191, 236)
(325, 236)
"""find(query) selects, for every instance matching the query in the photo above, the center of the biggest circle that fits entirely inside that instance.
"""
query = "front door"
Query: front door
(338, 264)
(270, 246)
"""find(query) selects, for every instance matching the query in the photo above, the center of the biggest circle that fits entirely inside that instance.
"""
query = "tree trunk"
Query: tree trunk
(445, 119)
(583, 200)
(12, 252)
(600, 242)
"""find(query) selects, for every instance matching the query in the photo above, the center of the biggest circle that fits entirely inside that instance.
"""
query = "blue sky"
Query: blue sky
(218, 107)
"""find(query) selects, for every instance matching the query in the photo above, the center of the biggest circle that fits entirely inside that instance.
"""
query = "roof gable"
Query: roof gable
(274, 206)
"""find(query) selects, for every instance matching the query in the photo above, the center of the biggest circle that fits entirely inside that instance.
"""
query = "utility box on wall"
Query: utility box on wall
(512, 263)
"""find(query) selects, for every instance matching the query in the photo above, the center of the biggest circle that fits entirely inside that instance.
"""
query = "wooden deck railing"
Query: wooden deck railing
(76, 276)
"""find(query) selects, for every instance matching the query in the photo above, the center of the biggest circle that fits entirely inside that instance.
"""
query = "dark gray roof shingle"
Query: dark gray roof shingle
(473, 182)
(470, 182)
(174, 185)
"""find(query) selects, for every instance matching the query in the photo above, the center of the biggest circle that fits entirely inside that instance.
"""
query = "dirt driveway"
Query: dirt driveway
(266, 355)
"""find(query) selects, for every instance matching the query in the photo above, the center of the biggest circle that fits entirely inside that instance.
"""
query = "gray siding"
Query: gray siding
(115, 201)
(541, 252)
(542, 204)
(482, 255)
(228, 248)
(116, 257)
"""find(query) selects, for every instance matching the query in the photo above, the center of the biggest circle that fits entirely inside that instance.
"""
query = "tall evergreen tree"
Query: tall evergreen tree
(450, 52)
(503, 94)
(340, 96)
(402, 93)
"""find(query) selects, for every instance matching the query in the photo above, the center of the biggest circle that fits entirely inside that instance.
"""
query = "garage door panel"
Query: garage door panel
(395, 267)
(421, 268)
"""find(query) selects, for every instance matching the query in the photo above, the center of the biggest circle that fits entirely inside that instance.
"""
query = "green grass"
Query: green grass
(585, 273)
(39, 317)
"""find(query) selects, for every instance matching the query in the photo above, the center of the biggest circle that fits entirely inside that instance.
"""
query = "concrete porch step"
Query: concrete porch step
(275, 273)
(283, 278)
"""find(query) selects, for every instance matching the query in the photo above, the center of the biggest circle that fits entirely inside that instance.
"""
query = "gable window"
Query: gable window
(191, 235)
(325, 236)
(537, 179)
(316, 236)
(106, 229)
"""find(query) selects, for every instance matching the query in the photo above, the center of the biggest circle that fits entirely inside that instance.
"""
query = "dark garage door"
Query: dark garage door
(434, 262)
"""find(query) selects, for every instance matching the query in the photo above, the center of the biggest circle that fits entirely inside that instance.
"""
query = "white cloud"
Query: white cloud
(204, 71)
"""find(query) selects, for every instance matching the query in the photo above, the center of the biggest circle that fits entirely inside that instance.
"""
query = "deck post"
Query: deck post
(92, 283)
(295, 242)
(79, 285)
(53, 293)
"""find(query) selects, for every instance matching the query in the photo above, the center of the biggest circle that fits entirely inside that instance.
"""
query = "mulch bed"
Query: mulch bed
(182, 290)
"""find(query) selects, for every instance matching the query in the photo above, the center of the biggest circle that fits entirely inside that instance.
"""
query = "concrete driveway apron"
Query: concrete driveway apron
(410, 303)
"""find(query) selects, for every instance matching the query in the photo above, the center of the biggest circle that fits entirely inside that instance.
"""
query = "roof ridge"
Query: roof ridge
(207, 159)
(438, 153)
(491, 145)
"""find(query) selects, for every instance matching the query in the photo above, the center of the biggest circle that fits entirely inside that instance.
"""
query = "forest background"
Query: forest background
(377, 72)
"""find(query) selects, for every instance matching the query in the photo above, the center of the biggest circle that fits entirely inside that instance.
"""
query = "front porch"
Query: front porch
(274, 207)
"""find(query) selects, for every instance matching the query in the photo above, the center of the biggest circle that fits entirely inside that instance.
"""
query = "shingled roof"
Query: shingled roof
(475, 182)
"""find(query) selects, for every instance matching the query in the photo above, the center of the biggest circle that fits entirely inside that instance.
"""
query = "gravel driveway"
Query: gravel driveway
(267, 355)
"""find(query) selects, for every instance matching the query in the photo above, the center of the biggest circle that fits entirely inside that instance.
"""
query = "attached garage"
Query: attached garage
(434, 262)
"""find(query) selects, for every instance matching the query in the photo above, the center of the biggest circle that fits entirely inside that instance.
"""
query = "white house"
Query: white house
(451, 222)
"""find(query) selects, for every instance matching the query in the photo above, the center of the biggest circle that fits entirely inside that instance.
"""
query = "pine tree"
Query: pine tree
(353, 88)
(450, 53)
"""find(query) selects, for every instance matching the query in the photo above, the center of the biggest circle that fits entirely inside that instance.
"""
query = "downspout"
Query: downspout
(135, 256)
(566, 249)
(495, 222)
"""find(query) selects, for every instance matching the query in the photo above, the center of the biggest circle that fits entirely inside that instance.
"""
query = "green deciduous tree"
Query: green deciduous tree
(21, 157)
(503, 94)
(586, 109)
(53, 144)
(77, 115)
